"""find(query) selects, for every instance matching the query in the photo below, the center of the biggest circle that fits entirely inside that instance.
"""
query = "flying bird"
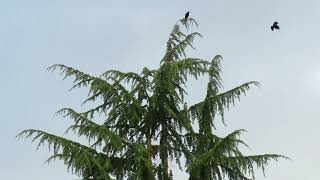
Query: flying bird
(275, 26)
(187, 15)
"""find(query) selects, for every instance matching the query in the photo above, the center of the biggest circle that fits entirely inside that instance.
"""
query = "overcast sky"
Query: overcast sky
(282, 116)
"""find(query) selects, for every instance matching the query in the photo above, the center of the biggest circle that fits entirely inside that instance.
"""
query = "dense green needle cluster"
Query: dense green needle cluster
(147, 123)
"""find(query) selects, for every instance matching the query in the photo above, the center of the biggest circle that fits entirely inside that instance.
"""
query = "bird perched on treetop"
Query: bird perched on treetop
(187, 15)
(275, 26)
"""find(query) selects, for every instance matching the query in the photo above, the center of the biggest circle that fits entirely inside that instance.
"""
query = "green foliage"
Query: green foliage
(147, 123)
(217, 158)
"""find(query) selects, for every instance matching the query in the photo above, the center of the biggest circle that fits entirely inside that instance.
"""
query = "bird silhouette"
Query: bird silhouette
(275, 26)
(187, 15)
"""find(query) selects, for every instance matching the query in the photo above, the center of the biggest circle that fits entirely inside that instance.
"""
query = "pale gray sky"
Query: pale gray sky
(281, 117)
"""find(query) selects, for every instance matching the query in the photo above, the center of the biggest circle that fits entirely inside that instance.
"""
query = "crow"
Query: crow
(187, 15)
(275, 26)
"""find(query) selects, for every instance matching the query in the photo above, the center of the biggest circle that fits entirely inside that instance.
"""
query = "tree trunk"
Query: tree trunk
(164, 151)
(149, 145)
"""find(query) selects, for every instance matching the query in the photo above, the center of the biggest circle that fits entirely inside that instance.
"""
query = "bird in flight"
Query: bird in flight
(187, 15)
(275, 26)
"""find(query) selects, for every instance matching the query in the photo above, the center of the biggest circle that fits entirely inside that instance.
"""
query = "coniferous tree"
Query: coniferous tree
(149, 121)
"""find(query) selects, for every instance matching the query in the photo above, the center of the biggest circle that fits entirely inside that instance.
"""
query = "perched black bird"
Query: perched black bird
(275, 26)
(187, 15)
